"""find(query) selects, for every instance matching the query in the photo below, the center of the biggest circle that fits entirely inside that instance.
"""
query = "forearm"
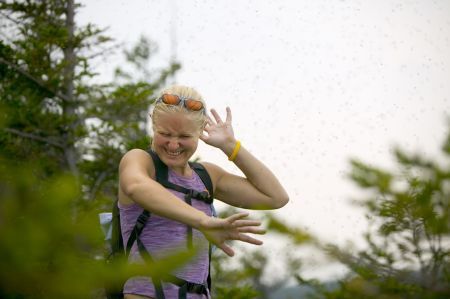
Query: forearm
(258, 174)
(156, 199)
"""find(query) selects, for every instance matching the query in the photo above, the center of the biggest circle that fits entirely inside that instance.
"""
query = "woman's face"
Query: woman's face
(175, 138)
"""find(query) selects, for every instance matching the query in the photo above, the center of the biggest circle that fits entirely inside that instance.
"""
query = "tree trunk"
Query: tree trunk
(70, 152)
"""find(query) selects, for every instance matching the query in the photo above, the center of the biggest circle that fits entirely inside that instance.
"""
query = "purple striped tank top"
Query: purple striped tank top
(161, 236)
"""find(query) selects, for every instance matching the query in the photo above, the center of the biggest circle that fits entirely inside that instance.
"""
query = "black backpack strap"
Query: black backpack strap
(135, 237)
(161, 170)
(148, 258)
(187, 286)
(188, 200)
(116, 235)
(205, 177)
(162, 174)
(208, 279)
(162, 177)
(137, 230)
(114, 291)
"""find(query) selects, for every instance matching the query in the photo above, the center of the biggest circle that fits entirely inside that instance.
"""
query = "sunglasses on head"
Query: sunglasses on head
(175, 100)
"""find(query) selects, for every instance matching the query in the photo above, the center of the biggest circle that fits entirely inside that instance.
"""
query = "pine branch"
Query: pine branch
(6, 16)
(32, 78)
(97, 185)
(34, 137)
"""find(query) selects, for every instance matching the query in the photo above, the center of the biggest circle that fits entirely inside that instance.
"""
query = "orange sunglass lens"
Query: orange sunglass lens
(194, 105)
(171, 99)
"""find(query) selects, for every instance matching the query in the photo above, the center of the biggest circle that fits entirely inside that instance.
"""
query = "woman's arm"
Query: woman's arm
(260, 189)
(135, 182)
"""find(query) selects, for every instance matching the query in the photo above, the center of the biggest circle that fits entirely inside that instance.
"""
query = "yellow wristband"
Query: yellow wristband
(235, 151)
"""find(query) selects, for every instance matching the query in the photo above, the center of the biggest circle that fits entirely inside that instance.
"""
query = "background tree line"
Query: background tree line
(62, 136)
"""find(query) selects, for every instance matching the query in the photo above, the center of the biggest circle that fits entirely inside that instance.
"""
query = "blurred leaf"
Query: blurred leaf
(61, 140)
(299, 236)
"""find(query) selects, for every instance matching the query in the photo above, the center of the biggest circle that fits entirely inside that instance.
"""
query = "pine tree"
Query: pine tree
(407, 252)
(61, 139)
(52, 113)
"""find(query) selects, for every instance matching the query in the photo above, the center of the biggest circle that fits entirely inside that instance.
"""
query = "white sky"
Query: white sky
(310, 84)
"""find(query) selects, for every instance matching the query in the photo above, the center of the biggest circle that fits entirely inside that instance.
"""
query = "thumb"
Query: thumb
(204, 137)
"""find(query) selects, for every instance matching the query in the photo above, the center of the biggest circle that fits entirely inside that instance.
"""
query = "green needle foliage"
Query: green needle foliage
(51, 110)
(407, 252)
(407, 248)
(61, 140)
(48, 253)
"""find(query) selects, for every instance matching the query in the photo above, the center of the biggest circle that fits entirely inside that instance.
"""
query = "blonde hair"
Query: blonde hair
(199, 117)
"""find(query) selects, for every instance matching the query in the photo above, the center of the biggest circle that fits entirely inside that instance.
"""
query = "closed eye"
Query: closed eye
(164, 134)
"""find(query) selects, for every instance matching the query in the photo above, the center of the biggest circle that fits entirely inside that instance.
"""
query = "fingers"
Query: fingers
(234, 228)
(238, 237)
(248, 239)
(203, 137)
(236, 216)
(227, 249)
(236, 221)
(209, 120)
(252, 230)
(216, 116)
(241, 223)
(228, 120)
(244, 238)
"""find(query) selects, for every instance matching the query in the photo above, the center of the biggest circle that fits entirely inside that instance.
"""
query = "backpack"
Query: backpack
(117, 250)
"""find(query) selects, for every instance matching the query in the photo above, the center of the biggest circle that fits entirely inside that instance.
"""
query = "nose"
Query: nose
(173, 144)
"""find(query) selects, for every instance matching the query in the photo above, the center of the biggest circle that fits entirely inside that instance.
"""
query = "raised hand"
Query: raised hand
(234, 227)
(219, 133)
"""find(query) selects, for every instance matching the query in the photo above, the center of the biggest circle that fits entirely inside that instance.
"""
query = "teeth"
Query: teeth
(174, 153)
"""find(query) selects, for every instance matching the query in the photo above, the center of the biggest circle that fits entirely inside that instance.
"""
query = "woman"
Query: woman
(179, 120)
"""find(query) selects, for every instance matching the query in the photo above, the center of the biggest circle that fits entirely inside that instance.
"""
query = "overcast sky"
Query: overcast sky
(310, 84)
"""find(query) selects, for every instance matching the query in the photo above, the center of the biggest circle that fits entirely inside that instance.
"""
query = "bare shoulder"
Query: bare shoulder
(134, 166)
(137, 160)
(136, 152)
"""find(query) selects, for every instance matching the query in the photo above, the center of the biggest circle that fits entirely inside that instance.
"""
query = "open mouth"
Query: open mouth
(174, 153)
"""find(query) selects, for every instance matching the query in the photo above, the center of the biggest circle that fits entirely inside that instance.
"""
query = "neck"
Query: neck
(185, 171)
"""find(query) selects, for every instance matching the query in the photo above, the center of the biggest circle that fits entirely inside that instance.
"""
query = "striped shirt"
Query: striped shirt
(162, 237)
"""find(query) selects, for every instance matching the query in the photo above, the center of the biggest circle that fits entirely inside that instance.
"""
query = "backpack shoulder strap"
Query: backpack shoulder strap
(161, 170)
(206, 179)
(162, 177)
(162, 174)
(116, 235)
(204, 176)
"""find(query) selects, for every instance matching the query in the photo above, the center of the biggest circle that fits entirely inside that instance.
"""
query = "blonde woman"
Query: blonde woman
(179, 120)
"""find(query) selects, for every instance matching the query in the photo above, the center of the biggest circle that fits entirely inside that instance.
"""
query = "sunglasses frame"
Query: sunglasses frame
(182, 102)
